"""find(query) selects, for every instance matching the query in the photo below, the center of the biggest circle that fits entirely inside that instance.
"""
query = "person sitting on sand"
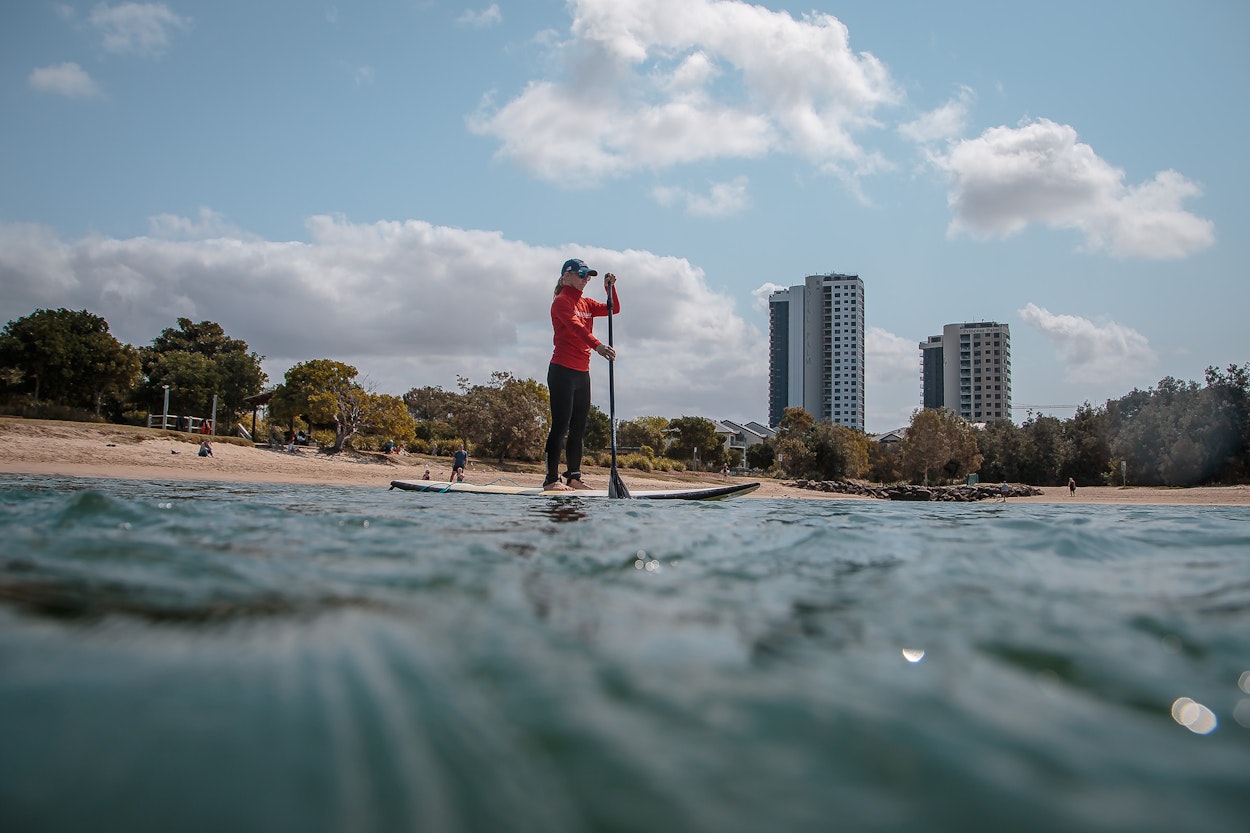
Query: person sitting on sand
(206, 448)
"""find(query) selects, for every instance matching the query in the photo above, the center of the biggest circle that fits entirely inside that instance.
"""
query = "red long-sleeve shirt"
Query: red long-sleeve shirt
(573, 322)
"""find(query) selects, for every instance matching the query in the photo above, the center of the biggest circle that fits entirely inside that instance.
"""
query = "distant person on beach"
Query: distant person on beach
(388, 446)
(1072, 486)
(426, 476)
(724, 472)
(568, 375)
(1003, 491)
(459, 462)
(206, 448)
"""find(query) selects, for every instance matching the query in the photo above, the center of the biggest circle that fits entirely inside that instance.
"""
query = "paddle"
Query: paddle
(616, 487)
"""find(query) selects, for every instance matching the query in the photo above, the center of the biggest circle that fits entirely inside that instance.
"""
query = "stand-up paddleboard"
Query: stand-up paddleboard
(498, 488)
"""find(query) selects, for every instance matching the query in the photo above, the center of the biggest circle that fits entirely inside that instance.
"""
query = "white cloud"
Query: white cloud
(407, 303)
(67, 79)
(891, 358)
(137, 28)
(652, 84)
(489, 16)
(207, 225)
(721, 200)
(1039, 173)
(762, 294)
(1093, 352)
(943, 124)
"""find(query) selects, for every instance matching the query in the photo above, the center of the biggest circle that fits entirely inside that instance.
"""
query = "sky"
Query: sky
(395, 185)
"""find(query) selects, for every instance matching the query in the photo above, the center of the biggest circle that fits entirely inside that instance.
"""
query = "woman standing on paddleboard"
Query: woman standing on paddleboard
(568, 376)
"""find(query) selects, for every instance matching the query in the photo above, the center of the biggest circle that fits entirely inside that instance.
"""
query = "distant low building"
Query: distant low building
(890, 437)
(738, 437)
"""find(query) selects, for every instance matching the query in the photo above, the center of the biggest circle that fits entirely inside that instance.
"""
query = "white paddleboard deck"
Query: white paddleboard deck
(705, 493)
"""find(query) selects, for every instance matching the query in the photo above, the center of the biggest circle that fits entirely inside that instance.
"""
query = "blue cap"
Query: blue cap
(578, 266)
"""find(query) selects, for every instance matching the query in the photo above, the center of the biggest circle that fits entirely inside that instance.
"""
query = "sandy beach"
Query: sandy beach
(69, 449)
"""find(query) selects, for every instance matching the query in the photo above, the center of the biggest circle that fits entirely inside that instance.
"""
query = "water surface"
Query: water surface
(206, 656)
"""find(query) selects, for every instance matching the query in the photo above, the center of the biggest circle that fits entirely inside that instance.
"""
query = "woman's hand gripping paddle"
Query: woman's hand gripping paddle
(616, 487)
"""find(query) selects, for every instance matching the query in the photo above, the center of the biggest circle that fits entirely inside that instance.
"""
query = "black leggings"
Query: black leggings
(570, 408)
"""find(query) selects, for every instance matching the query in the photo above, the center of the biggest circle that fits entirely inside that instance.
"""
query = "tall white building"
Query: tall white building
(816, 350)
(968, 370)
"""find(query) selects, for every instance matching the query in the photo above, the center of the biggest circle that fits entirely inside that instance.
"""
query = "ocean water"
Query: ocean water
(208, 657)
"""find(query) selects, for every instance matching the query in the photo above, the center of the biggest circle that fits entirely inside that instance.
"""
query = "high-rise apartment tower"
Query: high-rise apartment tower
(968, 370)
(816, 350)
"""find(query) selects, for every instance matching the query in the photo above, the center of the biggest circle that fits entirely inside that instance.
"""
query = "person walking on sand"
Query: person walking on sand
(1003, 491)
(568, 375)
(1072, 487)
(459, 462)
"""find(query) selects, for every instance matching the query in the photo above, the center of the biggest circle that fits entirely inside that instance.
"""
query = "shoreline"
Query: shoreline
(96, 450)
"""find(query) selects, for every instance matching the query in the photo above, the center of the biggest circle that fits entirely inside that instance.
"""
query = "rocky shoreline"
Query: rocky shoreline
(953, 494)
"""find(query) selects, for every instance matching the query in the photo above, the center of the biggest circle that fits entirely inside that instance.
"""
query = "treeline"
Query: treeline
(65, 364)
(1175, 434)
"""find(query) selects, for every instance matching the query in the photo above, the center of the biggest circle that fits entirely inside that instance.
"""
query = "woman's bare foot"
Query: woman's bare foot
(556, 486)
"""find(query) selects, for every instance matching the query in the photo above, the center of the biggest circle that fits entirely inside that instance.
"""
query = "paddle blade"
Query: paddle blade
(616, 486)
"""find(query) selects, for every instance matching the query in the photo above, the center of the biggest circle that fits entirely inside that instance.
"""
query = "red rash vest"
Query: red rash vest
(573, 322)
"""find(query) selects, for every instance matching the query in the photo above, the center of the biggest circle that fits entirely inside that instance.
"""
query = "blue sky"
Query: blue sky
(395, 184)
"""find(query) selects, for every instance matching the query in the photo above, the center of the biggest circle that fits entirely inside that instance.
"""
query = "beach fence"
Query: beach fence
(172, 422)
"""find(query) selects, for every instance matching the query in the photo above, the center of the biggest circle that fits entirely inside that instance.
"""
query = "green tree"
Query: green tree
(885, 462)
(433, 409)
(836, 452)
(795, 421)
(1046, 451)
(599, 430)
(67, 357)
(505, 419)
(326, 393)
(690, 433)
(198, 361)
(1089, 449)
(1230, 405)
(643, 432)
(941, 443)
(388, 419)
(761, 456)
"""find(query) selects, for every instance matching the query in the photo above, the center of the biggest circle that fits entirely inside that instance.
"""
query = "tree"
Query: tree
(940, 442)
(1230, 395)
(795, 421)
(1089, 450)
(432, 408)
(836, 452)
(506, 419)
(68, 358)
(599, 430)
(691, 433)
(643, 432)
(885, 462)
(199, 361)
(387, 416)
(325, 393)
(761, 455)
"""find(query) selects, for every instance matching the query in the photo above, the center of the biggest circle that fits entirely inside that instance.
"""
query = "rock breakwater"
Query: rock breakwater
(954, 494)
